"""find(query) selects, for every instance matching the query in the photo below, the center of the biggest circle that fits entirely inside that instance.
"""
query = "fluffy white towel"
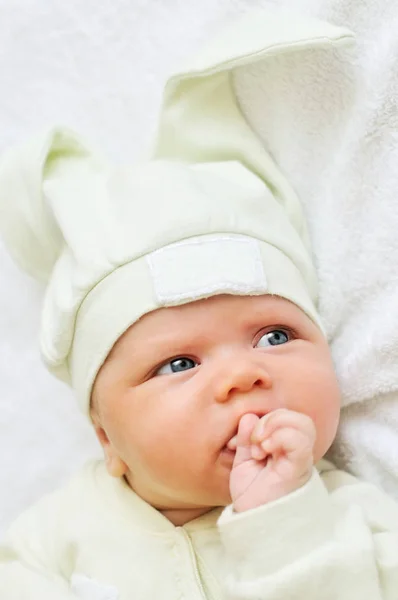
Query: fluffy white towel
(331, 122)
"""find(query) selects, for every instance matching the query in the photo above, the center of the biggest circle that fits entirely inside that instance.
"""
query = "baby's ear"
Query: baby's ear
(115, 466)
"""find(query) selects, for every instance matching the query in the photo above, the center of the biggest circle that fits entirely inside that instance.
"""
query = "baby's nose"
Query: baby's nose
(241, 376)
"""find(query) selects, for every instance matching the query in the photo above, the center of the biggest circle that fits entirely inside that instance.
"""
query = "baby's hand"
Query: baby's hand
(274, 456)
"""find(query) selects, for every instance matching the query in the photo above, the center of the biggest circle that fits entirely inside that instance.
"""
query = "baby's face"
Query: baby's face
(172, 392)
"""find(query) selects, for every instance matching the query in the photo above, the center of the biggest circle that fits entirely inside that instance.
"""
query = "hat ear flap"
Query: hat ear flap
(27, 224)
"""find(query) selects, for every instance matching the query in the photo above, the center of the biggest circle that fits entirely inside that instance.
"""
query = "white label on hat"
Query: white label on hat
(207, 265)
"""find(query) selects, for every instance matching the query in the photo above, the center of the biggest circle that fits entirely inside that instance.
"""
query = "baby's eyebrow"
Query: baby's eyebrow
(161, 348)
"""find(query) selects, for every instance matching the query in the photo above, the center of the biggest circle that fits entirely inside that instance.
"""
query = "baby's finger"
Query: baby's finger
(288, 441)
(258, 452)
(243, 443)
(279, 419)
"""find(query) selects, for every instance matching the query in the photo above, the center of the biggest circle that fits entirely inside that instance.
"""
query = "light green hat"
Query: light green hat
(209, 214)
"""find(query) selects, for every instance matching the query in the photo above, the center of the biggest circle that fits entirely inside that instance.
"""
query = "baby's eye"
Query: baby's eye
(177, 365)
(273, 338)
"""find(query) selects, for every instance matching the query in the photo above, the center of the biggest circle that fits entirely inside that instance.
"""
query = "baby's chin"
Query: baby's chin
(182, 513)
(209, 499)
(217, 499)
(207, 491)
(202, 499)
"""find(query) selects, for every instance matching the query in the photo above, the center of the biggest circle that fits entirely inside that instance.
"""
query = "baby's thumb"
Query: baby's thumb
(243, 443)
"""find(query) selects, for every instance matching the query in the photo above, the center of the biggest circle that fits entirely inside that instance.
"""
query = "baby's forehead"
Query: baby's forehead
(218, 305)
(192, 318)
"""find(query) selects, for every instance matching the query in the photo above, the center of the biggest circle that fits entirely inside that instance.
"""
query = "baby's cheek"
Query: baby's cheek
(326, 418)
(317, 395)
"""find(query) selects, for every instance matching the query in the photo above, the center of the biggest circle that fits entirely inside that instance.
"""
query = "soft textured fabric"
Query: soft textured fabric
(95, 232)
(335, 139)
(334, 538)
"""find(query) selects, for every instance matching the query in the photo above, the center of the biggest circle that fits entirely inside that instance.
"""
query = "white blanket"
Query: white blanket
(334, 133)
(99, 67)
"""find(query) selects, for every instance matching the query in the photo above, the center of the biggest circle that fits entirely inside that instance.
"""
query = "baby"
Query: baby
(227, 399)
(181, 307)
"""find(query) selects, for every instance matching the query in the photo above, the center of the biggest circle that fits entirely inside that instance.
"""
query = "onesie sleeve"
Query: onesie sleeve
(30, 559)
(315, 543)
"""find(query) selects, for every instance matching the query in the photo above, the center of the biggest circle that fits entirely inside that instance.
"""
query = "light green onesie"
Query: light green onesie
(335, 538)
